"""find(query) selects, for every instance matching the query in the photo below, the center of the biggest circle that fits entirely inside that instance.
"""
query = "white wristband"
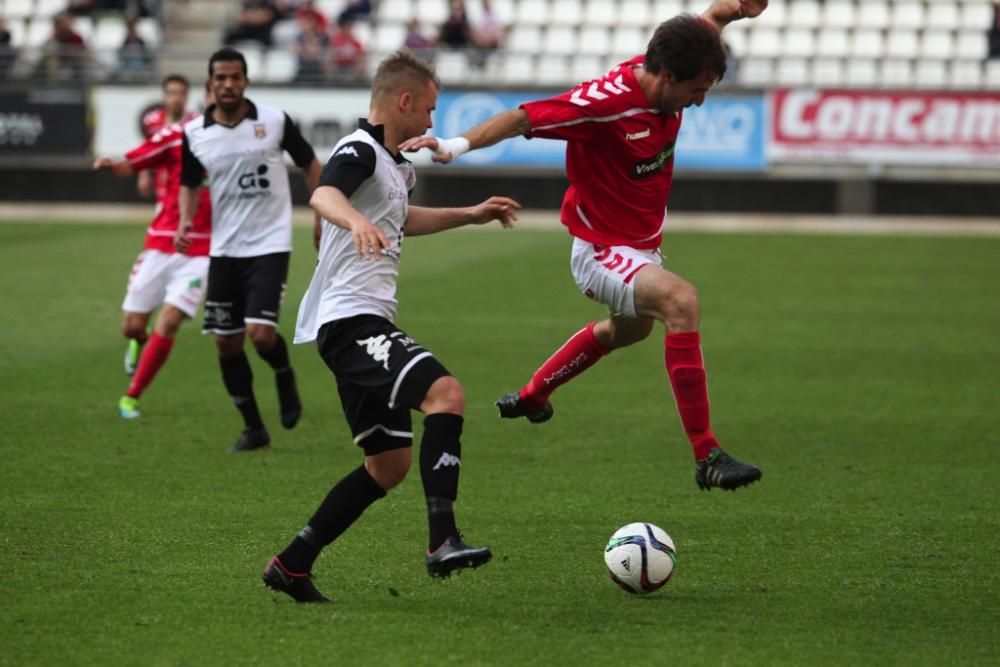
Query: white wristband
(455, 146)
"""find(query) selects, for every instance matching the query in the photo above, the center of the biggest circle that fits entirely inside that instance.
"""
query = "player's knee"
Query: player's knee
(262, 338)
(134, 327)
(683, 310)
(445, 395)
(229, 346)
(390, 468)
(168, 327)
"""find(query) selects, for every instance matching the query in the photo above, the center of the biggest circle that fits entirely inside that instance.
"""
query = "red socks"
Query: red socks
(682, 355)
(578, 354)
(153, 356)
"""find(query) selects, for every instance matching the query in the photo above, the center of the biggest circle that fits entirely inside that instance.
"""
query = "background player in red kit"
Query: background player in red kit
(174, 110)
(161, 275)
(621, 132)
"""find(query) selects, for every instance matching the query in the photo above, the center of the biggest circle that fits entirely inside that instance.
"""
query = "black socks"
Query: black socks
(342, 506)
(238, 377)
(440, 459)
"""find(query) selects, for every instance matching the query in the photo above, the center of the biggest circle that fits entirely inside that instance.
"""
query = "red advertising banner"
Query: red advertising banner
(903, 128)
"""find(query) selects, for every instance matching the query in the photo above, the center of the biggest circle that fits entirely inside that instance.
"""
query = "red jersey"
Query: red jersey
(619, 158)
(163, 151)
(347, 50)
(152, 122)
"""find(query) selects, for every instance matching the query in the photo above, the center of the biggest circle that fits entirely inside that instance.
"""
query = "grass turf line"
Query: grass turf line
(860, 373)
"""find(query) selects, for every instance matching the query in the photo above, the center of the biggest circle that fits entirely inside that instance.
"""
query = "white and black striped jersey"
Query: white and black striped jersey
(251, 200)
(378, 185)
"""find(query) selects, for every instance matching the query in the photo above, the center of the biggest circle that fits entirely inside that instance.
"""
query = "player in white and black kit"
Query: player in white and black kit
(349, 311)
(240, 146)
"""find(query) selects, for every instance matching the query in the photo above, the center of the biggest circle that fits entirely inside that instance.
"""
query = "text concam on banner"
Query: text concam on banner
(904, 128)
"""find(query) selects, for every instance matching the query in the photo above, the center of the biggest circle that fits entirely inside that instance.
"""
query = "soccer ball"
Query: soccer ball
(640, 557)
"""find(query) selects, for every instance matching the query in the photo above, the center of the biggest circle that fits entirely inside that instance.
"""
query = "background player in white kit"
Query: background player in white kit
(241, 146)
(349, 311)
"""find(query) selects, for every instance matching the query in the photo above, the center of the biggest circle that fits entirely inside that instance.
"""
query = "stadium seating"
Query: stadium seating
(893, 43)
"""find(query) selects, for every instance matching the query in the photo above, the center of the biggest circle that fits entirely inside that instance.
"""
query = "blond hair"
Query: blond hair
(399, 71)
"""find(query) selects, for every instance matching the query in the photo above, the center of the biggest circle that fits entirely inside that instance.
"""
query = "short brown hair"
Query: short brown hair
(399, 70)
(687, 46)
(175, 78)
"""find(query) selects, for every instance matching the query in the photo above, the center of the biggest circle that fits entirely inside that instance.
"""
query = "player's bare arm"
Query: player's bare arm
(116, 167)
(145, 184)
(723, 12)
(505, 125)
(312, 174)
(187, 202)
(421, 220)
(330, 203)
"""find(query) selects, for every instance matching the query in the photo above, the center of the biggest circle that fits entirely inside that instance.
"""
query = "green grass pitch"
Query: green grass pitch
(861, 373)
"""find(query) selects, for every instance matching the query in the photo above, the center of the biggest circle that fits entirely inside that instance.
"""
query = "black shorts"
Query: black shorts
(381, 374)
(244, 290)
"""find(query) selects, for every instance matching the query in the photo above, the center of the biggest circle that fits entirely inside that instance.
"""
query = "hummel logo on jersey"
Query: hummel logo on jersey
(377, 347)
(634, 136)
(582, 97)
(446, 460)
(347, 150)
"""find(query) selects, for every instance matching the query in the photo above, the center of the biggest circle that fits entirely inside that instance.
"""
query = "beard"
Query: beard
(229, 105)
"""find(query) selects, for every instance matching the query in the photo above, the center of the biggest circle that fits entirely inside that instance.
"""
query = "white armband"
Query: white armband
(455, 146)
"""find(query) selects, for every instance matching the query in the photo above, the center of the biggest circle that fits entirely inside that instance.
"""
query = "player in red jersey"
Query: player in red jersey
(161, 276)
(174, 110)
(621, 131)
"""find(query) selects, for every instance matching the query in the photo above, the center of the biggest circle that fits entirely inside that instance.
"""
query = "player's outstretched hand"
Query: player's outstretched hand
(732, 10)
(426, 141)
(181, 239)
(103, 163)
(503, 209)
(368, 240)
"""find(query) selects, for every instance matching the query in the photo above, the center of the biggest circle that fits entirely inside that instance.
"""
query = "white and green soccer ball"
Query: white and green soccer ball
(640, 557)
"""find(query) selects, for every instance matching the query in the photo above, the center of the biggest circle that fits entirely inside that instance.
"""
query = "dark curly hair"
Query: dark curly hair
(687, 46)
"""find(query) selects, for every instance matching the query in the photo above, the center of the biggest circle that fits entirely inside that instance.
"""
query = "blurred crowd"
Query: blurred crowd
(330, 48)
(66, 55)
(326, 47)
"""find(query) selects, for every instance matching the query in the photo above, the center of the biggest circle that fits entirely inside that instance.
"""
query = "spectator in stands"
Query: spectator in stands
(254, 23)
(456, 33)
(312, 47)
(7, 52)
(134, 58)
(348, 54)
(994, 33)
(487, 34)
(81, 7)
(418, 43)
(309, 7)
(356, 10)
(65, 54)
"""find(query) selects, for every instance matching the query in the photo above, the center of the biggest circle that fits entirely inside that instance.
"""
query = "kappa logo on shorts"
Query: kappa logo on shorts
(377, 347)
(217, 315)
(447, 460)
